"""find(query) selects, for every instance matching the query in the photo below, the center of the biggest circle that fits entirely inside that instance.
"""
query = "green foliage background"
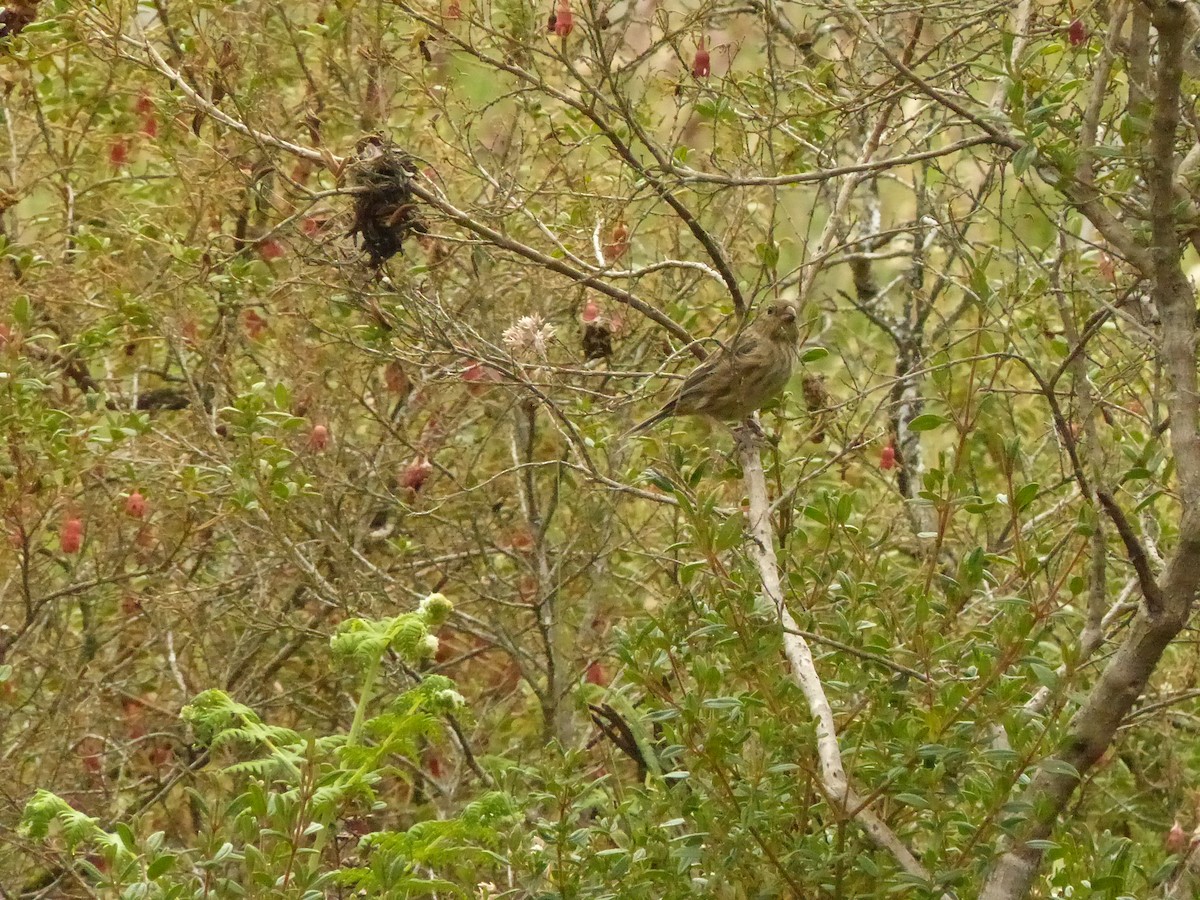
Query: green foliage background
(149, 247)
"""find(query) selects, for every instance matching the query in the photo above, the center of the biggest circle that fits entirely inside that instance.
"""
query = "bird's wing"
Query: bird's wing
(741, 349)
(702, 372)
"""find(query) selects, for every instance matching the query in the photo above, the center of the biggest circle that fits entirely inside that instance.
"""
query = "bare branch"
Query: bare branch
(1094, 726)
(557, 265)
(1137, 554)
(995, 133)
(688, 174)
(834, 781)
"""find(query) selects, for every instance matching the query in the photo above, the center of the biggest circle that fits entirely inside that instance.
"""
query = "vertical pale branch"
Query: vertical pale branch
(908, 401)
(906, 332)
(842, 202)
(834, 781)
(557, 722)
(1173, 294)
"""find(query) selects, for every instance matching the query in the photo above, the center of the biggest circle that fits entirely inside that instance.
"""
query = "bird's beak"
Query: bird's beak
(789, 314)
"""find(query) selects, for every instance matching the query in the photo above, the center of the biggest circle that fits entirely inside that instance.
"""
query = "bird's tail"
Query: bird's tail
(646, 424)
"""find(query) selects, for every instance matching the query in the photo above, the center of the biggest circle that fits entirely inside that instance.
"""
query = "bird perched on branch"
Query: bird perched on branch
(740, 378)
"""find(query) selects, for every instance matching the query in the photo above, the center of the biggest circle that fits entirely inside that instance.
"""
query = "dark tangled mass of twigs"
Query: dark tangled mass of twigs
(15, 16)
(597, 341)
(385, 211)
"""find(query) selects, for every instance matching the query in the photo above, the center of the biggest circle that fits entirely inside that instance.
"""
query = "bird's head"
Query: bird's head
(781, 320)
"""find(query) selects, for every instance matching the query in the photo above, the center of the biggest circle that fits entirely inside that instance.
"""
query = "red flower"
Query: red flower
(135, 719)
(478, 378)
(591, 312)
(302, 170)
(70, 538)
(564, 21)
(396, 378)
(135, 505)
(145, 104)
(270, 249)
(454, 10)
(887, 459)
(254, 324)
(701, 64)
(1076, 33)
(1177, 839)
(118, 153)
(90, 751)
(161, 755)
(318, 438)
(520, 539)
(145, 537)
(416, 474)
(618, 243)
(150, 127)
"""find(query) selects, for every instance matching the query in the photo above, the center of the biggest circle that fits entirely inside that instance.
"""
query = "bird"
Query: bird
(740, 378)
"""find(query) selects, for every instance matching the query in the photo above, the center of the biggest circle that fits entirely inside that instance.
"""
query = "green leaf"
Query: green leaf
(660, 481)
(160, 866)
(1046, 676)
(722, 703)
(927, 422)
(1023, 158)
(22, 312)
(979, 283)
(39, 27)
(768, 254)
(845, 506)
(1026, 495)
(812, 354)
(729, 535)
(125, 833)
(1056, 766)
(1001, 756)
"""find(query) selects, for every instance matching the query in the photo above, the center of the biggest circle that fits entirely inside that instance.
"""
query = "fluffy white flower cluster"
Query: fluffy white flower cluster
(530, 335)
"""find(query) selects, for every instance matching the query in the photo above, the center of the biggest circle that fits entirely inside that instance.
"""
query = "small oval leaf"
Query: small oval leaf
(927, 422)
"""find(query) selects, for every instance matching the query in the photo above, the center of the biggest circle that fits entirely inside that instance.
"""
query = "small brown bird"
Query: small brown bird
(739, 379)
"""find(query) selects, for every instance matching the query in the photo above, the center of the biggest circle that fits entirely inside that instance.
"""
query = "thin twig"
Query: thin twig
(1137, 554)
